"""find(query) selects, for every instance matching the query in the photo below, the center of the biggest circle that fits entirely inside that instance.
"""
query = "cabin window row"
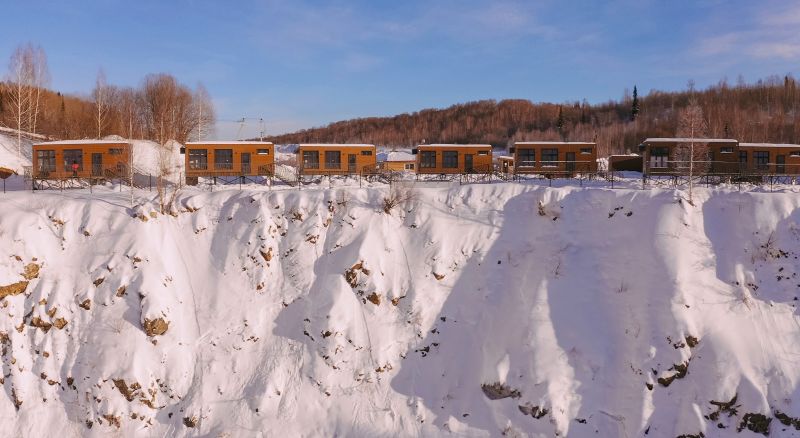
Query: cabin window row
(427, 159)
(223, 159)
(333, 159)
(527, 157)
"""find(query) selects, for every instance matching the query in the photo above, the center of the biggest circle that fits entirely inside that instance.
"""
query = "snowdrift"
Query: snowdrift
(470, 310)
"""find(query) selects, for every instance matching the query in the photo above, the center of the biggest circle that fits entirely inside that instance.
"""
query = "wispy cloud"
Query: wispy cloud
(771, 34)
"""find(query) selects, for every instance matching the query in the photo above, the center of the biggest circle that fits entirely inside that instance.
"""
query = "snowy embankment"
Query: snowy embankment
(475, 310)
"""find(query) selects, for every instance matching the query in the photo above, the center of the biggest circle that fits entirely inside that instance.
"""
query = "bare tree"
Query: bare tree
(103, 97)
(691, 155)
(170, 110)
(204, 109)
(40, 79)
(166, 169)
(18, 90)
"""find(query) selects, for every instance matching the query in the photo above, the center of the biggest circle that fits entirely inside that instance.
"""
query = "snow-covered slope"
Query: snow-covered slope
(10, 156)
(469, 310)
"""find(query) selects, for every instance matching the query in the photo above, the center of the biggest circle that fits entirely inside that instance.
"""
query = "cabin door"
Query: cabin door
(570, 161)
(97, 164)
(468, 166)
(351, 163)
(245, 163)
(780, 164)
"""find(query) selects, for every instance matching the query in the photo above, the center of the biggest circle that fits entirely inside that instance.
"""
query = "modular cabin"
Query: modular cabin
(453, 158)
(554, 158)
(228, 158)
(397, 161)
(505, 164)
(770, 158)
(336, 159)
(81, 159)
(670, 156)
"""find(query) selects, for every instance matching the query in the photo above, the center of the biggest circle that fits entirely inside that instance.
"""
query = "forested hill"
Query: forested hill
(763, 111)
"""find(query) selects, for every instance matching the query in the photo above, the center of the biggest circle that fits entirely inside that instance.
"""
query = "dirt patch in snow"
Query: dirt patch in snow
(374, 298)
(13, 289)
(497, 391)
(31, 271)
(155, 327)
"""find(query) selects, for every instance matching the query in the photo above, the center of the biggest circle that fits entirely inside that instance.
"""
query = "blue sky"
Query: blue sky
(302, 63)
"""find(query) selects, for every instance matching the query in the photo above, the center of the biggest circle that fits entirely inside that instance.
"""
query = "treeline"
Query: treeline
(766, 111)
(160, 109)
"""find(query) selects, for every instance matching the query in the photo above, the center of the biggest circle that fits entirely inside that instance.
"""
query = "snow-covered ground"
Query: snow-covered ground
(474, 310)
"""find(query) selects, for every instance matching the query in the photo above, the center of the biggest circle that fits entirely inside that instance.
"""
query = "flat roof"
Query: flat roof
(446, 145)
(554, 142)
(227, 142)
(770, 145)
(338, 145)
(77, 142)
(689, 140)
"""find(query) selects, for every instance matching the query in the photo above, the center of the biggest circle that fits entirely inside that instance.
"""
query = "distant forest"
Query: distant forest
(766, 111)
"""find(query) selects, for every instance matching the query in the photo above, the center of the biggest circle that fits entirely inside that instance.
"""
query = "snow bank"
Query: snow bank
(470, 310)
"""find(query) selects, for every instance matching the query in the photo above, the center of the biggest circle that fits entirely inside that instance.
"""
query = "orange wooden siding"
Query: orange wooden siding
(229, 158)
(450, 159)
(555, 157)
(336, 159)
(95, 159)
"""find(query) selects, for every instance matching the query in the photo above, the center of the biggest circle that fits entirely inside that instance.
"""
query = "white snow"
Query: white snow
(577, 299)
(770, 145)
(396, 156)
(338, 145)
(553, 142)
(79, 142)
(689, 140)
(439, 145)
(228, 142)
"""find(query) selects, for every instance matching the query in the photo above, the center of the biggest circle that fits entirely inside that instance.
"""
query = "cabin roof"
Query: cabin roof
(79, 142)
(194, 143)
(439, 145)
(689, 140)
(770, 145)
(338, 145)
(554, 142)
(396, 156)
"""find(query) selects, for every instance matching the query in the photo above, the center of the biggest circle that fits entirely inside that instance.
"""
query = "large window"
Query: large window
(333, 160)
(198, 159)
(659, 158)
(427, 159)
(761, 159)
(223, 159)
(46, 161)
(450, 159)
(310, 159)
(71, 157)
(549, 157)
(526, 157)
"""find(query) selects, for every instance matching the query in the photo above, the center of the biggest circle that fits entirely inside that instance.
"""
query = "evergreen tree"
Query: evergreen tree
(560, 120)
(635, 104)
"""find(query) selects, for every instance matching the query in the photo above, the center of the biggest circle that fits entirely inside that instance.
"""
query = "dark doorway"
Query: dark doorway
(570, 161)
(97, 164)
(245, 163)
(468, 167)
(351, 163)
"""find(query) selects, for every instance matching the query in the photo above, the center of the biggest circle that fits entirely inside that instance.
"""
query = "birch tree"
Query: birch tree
(18, 90)
(204, 112)
(691, 155)
(39, 80)
(102, 102)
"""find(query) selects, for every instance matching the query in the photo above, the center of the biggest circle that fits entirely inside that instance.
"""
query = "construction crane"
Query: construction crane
(242, 122)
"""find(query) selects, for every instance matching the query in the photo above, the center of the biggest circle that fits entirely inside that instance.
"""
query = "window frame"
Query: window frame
(331, 163)
(427, 159)
(761, 159)
(449, 159)
(47, 156)
(521, 153)
(586, 151)
(366, 153)
(726, 150)
(194, 155)
(69, 155)
(310, 159)
(547, 155)
(262, 151)
(219, 162)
